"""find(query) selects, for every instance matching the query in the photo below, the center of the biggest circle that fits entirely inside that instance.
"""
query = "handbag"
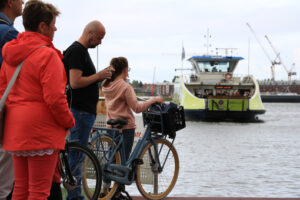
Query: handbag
(3, 99)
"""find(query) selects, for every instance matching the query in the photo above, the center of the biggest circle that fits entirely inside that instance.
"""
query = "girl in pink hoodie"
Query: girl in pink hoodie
(121, 100)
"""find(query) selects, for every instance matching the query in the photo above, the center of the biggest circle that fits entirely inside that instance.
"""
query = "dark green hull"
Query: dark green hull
(281, 98)
(222, 115)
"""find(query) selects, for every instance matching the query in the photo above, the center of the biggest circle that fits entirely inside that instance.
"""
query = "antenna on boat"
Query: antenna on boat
(207, 41)
(226, 51)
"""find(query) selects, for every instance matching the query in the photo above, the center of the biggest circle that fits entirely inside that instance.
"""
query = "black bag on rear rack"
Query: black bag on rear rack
(166, 119)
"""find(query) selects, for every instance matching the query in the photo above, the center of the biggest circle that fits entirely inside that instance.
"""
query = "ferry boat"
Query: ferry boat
(214, 92)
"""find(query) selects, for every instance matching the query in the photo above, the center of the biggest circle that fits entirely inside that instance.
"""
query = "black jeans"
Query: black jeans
(128, 143)
(55, 193)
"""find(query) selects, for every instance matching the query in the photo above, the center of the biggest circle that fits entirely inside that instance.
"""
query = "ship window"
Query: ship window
(213, 66)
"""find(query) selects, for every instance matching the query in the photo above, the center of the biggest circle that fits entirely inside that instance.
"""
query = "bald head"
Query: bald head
(94, 26)
(93, 34)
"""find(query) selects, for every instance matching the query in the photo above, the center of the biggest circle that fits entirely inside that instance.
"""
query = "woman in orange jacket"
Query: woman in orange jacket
(37, 113)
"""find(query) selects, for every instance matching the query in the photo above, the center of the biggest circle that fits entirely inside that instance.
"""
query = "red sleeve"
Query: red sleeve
(53, 80)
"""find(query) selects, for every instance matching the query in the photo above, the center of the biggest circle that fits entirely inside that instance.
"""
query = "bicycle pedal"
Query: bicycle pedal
(138, 161)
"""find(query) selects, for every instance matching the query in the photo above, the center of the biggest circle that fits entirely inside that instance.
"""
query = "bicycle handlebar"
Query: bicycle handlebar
(157, 105)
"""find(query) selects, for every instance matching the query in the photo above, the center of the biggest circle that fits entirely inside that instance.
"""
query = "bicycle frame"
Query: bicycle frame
(77, 173)
(126, 166)
(66, 175)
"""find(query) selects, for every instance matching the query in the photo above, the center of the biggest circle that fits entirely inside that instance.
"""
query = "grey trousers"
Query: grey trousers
(6, 174)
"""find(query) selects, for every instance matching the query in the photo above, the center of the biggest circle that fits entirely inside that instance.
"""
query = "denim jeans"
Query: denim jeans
(84, 122)
(128, 135)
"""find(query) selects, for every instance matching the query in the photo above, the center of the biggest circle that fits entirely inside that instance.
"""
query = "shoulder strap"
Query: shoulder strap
(2, 21)
(12, 82)
(10, 85)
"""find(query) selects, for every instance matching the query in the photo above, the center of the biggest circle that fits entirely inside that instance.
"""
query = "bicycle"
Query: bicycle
(87, 163)
(153, 163)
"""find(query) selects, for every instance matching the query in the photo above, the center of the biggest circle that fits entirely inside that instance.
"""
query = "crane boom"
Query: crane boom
(289, 72)
(258, 41)
(273, 62)
(277, 54)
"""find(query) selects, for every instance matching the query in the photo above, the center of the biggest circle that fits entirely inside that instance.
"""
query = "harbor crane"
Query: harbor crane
(273, 62)
(290, 73)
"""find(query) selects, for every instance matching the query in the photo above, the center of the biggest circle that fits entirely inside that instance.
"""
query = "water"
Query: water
(225, 159)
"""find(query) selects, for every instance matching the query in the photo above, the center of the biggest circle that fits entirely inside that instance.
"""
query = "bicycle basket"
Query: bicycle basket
(166, 119)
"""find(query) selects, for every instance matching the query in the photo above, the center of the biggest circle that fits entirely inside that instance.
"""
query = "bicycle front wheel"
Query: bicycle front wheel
(152, 181)
(85, 170)
(103, 146)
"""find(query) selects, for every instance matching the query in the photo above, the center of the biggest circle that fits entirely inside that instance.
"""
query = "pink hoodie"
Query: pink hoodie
(121, 99)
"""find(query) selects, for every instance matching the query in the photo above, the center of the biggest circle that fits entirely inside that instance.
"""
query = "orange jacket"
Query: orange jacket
(37, 113)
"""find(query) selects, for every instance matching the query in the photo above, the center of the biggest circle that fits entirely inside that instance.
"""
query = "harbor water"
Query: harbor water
(227, 159)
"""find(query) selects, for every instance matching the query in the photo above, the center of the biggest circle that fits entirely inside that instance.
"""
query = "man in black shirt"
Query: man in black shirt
(83, 80)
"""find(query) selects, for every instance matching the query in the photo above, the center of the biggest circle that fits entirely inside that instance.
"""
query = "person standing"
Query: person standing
(9, 11)
(83, 80)
(121, 100)
(37, 113)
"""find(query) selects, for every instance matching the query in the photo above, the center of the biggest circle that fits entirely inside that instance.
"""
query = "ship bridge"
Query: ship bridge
(214, 63)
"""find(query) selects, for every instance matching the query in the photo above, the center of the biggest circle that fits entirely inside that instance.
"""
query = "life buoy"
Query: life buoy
(228, 76)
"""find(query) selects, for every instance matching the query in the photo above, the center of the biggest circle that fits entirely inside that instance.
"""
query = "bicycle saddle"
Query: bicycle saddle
(118, 121)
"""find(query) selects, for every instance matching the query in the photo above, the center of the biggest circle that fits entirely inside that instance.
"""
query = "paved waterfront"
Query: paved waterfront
(220, 198)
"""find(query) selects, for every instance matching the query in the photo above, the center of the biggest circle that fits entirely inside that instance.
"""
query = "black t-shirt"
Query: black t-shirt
(83, 99)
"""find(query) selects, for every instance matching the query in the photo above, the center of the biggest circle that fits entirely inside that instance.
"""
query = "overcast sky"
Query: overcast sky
(150, 33)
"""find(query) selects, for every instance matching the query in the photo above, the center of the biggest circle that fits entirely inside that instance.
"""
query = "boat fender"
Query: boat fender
(228, 76)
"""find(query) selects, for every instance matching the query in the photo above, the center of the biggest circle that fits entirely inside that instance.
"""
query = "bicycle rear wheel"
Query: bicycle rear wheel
(102, 146)
(85, 170)
(152, 182)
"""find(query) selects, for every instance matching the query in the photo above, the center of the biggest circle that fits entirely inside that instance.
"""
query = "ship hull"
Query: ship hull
(206, 115)
(281, 98)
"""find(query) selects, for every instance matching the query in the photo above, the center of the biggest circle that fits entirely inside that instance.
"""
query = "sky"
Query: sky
(151, 33)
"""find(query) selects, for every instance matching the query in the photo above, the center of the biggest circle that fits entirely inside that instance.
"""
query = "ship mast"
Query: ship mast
(207, 36)
(226, 50)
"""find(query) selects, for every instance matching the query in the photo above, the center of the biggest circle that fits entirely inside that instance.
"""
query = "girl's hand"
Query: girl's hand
(159, 100)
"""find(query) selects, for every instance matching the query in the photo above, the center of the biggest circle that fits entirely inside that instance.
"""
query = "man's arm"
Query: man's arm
(79, 81)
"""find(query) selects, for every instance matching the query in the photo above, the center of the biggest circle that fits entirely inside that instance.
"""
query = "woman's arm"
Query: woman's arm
(53, 80)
